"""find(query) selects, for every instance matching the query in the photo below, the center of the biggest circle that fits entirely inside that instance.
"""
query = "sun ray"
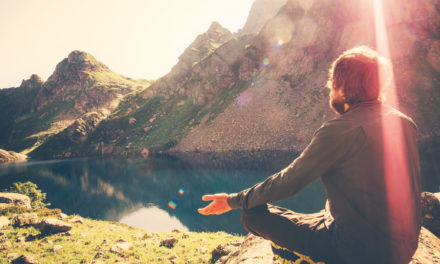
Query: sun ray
(398, 181)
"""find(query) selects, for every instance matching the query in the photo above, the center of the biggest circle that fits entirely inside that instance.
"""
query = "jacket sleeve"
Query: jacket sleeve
(328, 146)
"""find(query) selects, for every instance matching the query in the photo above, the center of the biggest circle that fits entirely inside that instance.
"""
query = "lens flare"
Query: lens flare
(280, 42)
(182, 190)
(244, 98)
(172, 204)
(266, 62)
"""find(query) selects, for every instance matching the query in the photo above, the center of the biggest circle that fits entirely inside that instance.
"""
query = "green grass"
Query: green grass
(84, 241)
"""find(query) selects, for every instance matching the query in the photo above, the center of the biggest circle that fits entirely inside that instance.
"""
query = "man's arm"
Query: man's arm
(329, 147)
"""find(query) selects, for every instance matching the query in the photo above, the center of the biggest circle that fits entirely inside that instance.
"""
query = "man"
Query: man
(368, 162)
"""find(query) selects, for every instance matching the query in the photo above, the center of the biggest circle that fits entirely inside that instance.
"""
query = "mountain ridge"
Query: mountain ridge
(227, 92)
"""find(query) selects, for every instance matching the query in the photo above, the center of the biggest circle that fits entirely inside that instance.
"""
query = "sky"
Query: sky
(136, 38)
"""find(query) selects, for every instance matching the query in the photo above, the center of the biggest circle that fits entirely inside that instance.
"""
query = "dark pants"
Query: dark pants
(307, 234)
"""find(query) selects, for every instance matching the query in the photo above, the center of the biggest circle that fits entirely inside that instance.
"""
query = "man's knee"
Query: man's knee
(251, 218)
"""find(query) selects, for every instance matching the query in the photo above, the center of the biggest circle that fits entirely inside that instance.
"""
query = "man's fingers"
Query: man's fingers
(208, 197)
(205, 211)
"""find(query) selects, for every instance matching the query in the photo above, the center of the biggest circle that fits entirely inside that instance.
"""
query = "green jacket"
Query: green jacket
(370, 171)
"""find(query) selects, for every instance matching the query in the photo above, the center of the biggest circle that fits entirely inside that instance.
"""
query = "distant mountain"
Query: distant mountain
(228, 92)
(81, 90)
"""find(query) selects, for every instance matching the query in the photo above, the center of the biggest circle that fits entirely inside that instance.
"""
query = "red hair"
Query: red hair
(361, 73)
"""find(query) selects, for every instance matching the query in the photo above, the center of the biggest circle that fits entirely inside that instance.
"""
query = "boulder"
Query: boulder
(76, 220)
(431, 212)
(253, 250)
(121, 248)
(258, 250)
(25, 259)
(224, 250)
(25, 219)
(4, 221)
(428, 250)
(52, 226)
(15, 199)
(168, 242)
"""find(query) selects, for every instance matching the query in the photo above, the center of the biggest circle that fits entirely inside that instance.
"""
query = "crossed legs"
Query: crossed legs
(307, 234)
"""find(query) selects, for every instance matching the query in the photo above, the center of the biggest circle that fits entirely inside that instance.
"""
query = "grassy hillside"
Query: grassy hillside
(92, 240)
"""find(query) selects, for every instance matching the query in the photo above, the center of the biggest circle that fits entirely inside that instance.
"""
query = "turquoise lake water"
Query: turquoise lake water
(160, 193)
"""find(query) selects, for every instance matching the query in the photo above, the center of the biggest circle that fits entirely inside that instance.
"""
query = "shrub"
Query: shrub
(31, 190)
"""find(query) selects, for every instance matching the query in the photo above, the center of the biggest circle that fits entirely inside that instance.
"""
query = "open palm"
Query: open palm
(219, 204)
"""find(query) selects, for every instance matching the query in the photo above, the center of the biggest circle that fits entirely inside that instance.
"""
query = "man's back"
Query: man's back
(359, 190)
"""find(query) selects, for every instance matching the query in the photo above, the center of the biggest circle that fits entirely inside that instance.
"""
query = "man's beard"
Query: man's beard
(337, 106)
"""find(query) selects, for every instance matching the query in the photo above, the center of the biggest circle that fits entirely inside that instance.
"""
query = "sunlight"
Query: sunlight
(397, 175)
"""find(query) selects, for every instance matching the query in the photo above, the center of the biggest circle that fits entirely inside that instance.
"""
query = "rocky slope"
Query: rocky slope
(261, 11)
(287, 64)
(77, 96)
(10, 156)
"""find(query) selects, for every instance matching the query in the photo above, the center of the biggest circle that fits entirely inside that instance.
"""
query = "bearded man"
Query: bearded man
(367, 160)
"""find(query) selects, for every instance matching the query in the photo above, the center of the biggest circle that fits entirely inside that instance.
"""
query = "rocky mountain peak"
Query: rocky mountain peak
(204, 45)
(79, 65)
(260, 12)
(34, 81)
(85, 61)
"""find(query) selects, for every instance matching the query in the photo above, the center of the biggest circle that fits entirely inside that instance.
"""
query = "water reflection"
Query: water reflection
(153, 218)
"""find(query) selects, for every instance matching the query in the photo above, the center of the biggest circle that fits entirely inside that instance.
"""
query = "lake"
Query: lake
(160, 193)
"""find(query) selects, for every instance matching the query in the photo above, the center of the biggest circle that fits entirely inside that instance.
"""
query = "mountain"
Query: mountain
(261, 11)
(81, 90)
(287, 67)
(228, 92)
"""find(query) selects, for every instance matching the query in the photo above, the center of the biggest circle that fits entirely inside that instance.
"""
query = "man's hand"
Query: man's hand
(219, 204)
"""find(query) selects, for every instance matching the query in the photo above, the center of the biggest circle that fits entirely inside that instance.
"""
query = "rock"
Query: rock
(25, 219)
(5, 205)
(4, 221)
(3, 238)
(52, 226)
(25, 259)
(33, 82)
(261, 11)
(5, 246)
(10, 156)
(258, 250)
(15, 199)
(169, 242)
(231, 249)
(99, 254)
(121, 248)
(57, 248)
(428, 250)
(145, 153)
(76, 220)
(173, 257)
(46, 240)
(431, 212)
(147, 236)
(62, 216)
